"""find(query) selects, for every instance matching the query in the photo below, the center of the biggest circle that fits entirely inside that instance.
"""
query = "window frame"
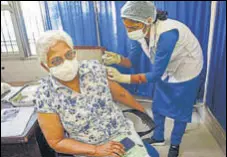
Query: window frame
(19, 29)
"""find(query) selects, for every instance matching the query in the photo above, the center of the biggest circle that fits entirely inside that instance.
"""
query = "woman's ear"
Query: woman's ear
(44, 66)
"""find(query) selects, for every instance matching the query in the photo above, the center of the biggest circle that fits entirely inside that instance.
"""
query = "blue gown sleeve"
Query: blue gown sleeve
(165, 47)
(135, 52)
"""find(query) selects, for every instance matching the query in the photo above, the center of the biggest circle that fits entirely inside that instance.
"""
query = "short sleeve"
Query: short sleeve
(93, 77)
(135, 53)
(43, 99)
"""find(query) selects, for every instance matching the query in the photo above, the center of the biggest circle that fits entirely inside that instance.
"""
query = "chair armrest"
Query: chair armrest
(147, 120)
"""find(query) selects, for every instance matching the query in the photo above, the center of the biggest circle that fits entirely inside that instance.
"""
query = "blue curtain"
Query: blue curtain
(195, 14)
(216, 90)
(77, 18)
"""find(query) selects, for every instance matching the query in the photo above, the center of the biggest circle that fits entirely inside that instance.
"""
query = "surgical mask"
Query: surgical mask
(137, 35)
(66, 71)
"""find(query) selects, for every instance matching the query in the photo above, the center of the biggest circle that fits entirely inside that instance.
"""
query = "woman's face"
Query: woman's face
(58, 53)
(132, 25)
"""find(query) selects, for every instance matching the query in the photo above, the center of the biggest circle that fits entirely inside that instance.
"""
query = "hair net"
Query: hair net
(49, 39)
(139, 11)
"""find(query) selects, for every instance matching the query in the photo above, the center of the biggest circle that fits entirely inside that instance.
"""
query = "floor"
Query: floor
(197, 141)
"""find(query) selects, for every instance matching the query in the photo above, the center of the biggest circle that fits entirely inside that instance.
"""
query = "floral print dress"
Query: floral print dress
(90, 116)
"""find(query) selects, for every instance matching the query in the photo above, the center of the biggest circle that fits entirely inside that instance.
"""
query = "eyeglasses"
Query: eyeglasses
(70, 55)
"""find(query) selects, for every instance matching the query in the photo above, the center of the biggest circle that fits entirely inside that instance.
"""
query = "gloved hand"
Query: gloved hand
(111, 148)
(110, 58)
(115, 75)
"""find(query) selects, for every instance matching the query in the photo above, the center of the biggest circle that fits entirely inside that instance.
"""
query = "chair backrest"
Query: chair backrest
(145, 118)
(90, 52)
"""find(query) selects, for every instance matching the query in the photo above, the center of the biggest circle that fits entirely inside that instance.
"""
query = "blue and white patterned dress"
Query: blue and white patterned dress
(90, 116)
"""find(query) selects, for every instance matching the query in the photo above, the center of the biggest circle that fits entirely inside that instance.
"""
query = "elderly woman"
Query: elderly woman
(77, 98)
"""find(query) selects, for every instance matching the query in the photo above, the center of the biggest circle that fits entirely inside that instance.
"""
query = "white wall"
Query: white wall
(30, 69)
(21, 70)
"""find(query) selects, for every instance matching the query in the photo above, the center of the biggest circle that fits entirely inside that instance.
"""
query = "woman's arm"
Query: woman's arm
(165, 48)
(123, 96)
(134, 56)
(125, 62)
(132, 60)
(110, 58)
(54, 133)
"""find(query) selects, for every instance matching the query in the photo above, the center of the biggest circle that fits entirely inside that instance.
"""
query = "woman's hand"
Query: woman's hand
(110, 58)
(115, 75)
(110, 149)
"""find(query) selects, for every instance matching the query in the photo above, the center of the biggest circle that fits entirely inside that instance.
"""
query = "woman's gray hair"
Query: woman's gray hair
(49, 39)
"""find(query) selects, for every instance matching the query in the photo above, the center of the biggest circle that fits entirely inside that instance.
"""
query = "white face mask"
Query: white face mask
(66, 71)
(136, 35)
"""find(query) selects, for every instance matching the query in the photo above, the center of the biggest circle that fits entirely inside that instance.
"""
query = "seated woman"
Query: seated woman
(77, 98)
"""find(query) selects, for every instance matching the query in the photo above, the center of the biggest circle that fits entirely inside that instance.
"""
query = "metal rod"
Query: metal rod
(40, 7)
(97, 23)
(6, 23)
(37, 24)
(4, 40)
(10, 39)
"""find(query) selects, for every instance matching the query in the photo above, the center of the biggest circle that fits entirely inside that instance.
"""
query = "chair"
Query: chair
(89, 52)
